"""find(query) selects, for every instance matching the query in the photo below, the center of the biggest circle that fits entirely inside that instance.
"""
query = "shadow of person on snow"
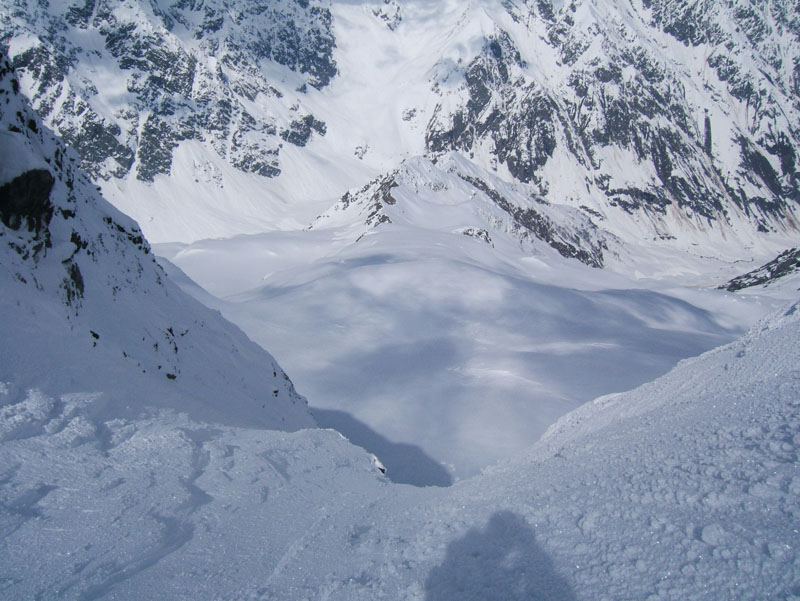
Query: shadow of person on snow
(502, 562)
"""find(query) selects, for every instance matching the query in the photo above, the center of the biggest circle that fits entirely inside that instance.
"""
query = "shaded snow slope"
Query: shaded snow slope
(464, 346)
(436, 305)
(87, 309)
(684, 488)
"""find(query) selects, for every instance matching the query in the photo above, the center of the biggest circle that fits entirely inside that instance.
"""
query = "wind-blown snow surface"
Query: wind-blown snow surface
(686, 488)
(433, 348)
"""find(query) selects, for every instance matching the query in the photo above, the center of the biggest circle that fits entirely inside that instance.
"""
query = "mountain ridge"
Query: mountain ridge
(89, 308)
(663, 121)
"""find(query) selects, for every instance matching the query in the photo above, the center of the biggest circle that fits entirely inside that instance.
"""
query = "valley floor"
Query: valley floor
(441, 354)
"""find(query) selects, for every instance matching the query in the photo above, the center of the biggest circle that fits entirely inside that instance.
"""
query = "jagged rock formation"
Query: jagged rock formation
(786, 263)
(662, 119)
(125, 84)
(419, 187)
(604, 83)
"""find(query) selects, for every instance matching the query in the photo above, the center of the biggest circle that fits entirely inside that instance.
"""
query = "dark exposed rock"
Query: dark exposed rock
(756, 163)
(73, 284)
(94, 139)
(25, 201)
(390, 13)
(786, 263)
(173, 96)
(519, 123)
(781, 146)
(540, 227)
(79, 15)
(374, 197)
(381, 196)
(155, 149)
(300, 130)
(707, 141)
(257, 160)
(305, 49)
(479, 233)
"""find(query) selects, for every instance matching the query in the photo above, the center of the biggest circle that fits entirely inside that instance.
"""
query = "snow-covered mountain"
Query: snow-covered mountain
(675, 122)
(374, 150)
(684, 488)
(87, 309)
(434, 186)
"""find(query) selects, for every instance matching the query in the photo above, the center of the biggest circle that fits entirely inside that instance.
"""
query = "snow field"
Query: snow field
(685, 488)
(464, 351)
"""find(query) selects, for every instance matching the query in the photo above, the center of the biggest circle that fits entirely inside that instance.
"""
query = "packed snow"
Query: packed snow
(503, 422)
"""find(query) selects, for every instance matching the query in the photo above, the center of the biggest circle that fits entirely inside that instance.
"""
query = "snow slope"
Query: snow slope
(87, 309)
(135, 455)
(685, 488)
(431, 348)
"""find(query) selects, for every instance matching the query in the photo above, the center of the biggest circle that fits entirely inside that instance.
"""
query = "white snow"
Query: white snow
(687, 487)
(448, 356)
(442, 353)
(437, 340)
(17, 158)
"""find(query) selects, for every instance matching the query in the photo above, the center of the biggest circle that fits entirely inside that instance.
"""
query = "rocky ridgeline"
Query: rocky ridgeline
(684, 113)
(785, 264)
(630, 97)
(508, 209)
(124, 84)
(43, 205)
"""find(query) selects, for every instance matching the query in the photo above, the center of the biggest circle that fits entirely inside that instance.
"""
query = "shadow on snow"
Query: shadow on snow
(502, 562)
(405, 463)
